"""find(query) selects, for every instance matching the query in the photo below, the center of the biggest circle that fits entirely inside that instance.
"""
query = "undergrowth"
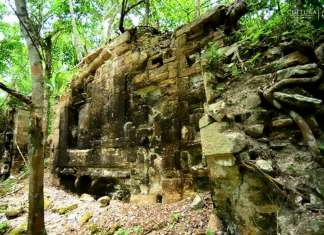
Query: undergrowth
(4, 226)
(273, 26)
(262, 29)
(9, 184)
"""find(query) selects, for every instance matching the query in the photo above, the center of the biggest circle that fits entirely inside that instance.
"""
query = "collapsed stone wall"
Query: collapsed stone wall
(131, 117)
(266, 175)
(13, 140)
(148, 116)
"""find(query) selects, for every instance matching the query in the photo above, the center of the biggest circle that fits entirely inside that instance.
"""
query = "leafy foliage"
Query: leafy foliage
(213, 53)
(122, 231)
(175, 216)
(4, 226)
(272, 21)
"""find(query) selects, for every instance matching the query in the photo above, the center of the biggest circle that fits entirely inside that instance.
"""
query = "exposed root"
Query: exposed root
(237, 55)
(268, 94)
(276, 184)
(89, 58)
(99, 57)
(306, 131)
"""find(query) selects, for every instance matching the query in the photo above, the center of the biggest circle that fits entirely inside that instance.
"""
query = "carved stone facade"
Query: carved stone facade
(147, 118)
(134, 120)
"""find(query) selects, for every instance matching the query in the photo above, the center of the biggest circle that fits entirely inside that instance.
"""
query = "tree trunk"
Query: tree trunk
(75, 35)
(112, 11)
(122, 16)
(36, 150)
(147, 13)
(233, 15)
(125, 9)
(48, 76)
(197, 8)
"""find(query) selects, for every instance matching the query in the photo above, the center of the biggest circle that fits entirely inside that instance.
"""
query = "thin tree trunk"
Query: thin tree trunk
(48, 76)
(122, 16)
(75, 35)
(111, 23)
(124, 11)
(112, 11)
(197, 8)
(147, 13)
(36, 224)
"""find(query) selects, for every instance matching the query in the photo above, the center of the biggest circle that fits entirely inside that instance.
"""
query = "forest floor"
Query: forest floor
(85, 216)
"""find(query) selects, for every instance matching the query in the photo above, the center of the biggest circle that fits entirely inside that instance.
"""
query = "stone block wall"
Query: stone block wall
(261, 168)
(149, 118)
(134, 118)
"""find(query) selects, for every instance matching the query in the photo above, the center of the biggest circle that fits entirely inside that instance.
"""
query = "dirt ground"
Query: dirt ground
(116, 218)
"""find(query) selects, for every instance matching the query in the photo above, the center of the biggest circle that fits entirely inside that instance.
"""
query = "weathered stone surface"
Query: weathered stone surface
(273, 53)
(104, 201)
(197, 203)
(214, 17)
(210, 81)
(85, 217)
(124, 117)
(64, 209)
(13, 212)
(254, 130)
(217, 111)
(265, 165)
(252, 101)
(217, 143)
(86, 198)
(125, 37)
(214, 224)
(131, 126)
(204, 121)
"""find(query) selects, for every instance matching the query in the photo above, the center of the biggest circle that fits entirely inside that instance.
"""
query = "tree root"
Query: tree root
(96, 59)
(279, 187)
(96, 63)
(306, 131)
(310, 140)
(268, 92)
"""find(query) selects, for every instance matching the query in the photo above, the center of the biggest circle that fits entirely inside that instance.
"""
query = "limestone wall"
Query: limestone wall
(135, 117)
(265, 175)
(13, 141)
(148, 117)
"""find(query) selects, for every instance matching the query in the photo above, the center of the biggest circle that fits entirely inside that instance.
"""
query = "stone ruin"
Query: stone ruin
(133, 121)
(13, 140)
(148, 119)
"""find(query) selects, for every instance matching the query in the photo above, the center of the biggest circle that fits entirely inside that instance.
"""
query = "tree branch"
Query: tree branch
(33, 39)
(124, 11)
(133, 6)
(16, 94)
